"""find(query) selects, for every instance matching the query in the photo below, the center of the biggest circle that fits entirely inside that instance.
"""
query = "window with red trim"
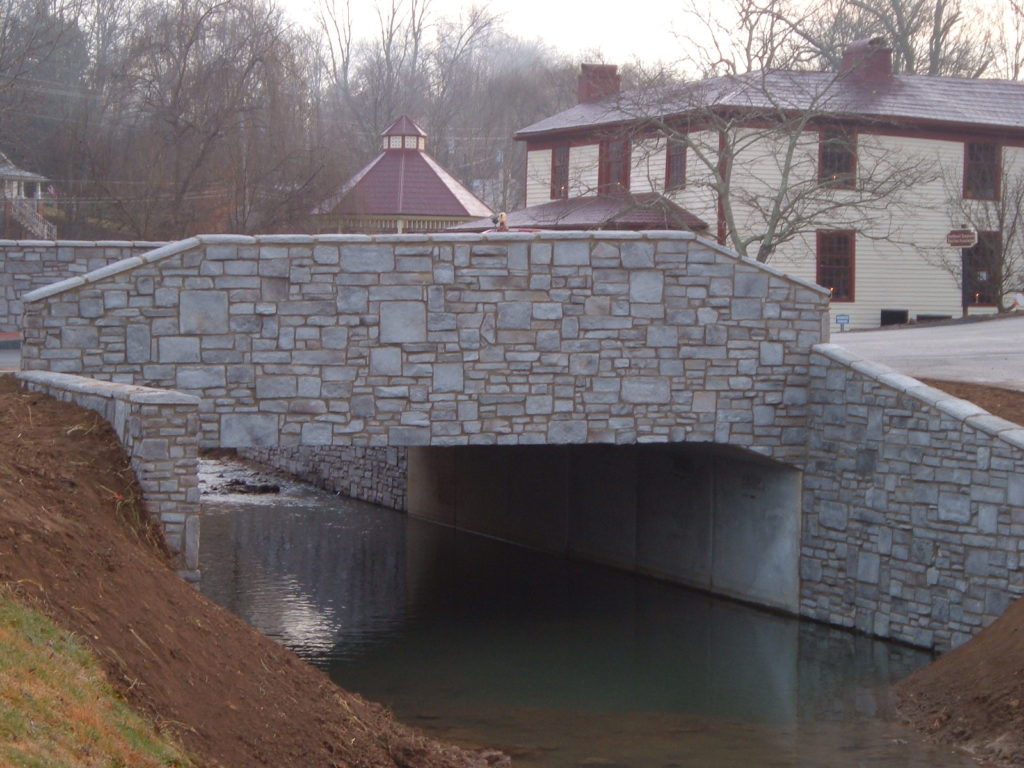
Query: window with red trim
(560, 173)
(837, 158)
(613, 166)
(675, 164)
(982, 270)
(981, 170)
(835, 258)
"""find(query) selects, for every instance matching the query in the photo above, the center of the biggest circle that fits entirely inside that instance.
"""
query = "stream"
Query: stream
(559, 664)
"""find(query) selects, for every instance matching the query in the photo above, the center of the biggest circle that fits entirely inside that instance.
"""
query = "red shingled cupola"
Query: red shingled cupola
(403, 189)
(867, 60)
(403, 134)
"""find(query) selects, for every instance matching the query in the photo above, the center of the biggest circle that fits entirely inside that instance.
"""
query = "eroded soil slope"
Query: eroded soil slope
(973, 696)
(74, 542)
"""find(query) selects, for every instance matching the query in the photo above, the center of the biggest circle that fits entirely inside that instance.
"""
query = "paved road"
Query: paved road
(986, 352)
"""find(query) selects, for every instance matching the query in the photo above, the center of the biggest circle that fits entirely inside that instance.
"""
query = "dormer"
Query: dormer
(404, 134)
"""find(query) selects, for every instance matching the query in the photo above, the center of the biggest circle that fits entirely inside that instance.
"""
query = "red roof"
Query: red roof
(634, 212)
(403, 126)
(403, 182)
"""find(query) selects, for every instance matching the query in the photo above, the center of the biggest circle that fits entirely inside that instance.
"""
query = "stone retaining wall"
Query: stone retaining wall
(26, 265)
(159, 432)
(377, 475)
(913, 506)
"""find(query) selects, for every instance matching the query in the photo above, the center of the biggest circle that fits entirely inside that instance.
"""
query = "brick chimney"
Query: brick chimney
(867, 60)
(597, 81)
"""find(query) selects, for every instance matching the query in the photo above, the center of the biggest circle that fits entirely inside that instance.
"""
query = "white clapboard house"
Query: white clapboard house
(878, 169)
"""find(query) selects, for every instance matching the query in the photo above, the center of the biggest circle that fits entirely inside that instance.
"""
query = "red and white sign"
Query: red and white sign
(962, 238)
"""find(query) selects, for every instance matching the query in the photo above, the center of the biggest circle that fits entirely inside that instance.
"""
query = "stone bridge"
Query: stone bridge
(644, 399)
(447, 341)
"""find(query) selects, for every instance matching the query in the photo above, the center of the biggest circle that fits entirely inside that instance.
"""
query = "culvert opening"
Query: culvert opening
(707, 516)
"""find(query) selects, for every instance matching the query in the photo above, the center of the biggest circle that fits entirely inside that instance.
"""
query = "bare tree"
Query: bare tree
(1010, 47)
(378, 79)
(756, 143)
(508, 84)
(32, 32)
(205, 123)
(930, 37)
(42, 54)
(745, 36)
(466, 82)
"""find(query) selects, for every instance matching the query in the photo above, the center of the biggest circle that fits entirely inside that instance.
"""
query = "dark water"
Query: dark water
(559, 664)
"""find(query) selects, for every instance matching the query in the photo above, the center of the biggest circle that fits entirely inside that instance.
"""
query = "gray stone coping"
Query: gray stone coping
(109, 389)
(963, 411)
(168, 250)
(81, 243)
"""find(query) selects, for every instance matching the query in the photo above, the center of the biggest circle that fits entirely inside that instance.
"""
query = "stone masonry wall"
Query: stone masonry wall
(159, 432)
(29, 264)
(506, 338)
(299, 347)
(913, 506)
(376, 475)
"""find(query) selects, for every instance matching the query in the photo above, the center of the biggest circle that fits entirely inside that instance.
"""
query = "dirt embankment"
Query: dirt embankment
(74, 543)
(973, 697)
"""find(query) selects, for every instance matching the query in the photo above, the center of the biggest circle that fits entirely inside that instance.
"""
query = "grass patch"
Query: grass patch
(57, 709)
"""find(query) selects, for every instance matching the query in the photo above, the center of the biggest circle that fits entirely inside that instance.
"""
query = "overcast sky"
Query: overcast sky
(640, 29)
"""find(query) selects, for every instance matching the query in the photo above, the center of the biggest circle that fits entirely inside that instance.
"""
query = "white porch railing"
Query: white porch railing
(25, 213)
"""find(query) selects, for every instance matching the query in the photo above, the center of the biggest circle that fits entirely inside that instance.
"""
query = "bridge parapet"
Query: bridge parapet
(26, 265)
(503, 338)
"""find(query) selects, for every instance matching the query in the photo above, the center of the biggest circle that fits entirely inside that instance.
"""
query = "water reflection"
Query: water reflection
(323, 583)
(561, 664)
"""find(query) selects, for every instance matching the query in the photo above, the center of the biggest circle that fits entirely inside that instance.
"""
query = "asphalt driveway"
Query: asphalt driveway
(982, 352)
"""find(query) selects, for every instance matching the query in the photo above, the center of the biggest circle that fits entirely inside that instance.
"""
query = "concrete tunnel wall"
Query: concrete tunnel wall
(705, 516)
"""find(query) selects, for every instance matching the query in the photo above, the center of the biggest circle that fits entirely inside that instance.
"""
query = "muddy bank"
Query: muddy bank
(973, 697)
(73, 541)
